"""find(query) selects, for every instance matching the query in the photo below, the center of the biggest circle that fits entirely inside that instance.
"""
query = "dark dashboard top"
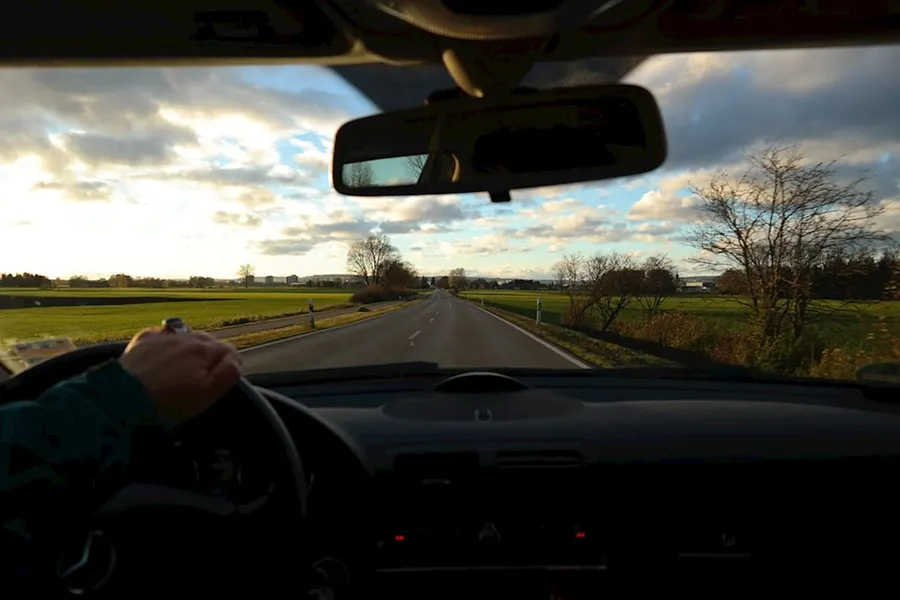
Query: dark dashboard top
(611, 418)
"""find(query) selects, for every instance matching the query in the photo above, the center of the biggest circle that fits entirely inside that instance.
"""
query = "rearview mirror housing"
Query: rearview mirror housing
(534, 139)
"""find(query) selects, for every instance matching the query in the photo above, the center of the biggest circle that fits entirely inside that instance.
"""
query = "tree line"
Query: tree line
(119, 280)
(866, 275)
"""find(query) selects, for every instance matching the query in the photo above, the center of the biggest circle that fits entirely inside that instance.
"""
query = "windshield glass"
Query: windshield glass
(766, 240)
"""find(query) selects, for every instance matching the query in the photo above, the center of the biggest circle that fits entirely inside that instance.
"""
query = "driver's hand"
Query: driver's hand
(184, 373)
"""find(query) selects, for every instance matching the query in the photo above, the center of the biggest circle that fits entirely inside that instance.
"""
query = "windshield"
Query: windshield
(766, 240)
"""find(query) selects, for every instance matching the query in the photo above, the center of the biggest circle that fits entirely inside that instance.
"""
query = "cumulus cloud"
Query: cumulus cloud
(717, 105)
(836, 103)
(247, 156)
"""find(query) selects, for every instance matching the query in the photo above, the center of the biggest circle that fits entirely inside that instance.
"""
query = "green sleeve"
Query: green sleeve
(59, 450)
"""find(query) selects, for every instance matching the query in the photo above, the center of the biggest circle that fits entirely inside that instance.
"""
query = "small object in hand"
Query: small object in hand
(175, 325)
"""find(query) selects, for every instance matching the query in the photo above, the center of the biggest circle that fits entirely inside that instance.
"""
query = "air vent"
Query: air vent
(436, 465)
(537, 459)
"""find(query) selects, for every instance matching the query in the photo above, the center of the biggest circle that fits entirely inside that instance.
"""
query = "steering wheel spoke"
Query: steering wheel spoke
(144, 496)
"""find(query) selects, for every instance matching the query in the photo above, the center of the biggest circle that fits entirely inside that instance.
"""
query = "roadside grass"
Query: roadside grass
(257, 338)
(698, 330)
(589, 350)
(205, 309)
(849, 327)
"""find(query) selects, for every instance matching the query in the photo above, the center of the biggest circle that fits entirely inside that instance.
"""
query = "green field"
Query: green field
(849, 328)
(204, 309)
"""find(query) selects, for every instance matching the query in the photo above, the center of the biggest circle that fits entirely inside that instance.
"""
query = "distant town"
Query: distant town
(341, 280)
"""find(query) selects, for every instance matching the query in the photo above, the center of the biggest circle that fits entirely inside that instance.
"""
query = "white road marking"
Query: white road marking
(412, 337)
(437, 313)
(431, 320)
(546, 344)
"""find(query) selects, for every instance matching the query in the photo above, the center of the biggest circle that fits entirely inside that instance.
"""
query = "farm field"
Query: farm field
(100, 314)
(848, 330)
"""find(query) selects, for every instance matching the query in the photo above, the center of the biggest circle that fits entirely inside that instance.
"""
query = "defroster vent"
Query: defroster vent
(530, 459)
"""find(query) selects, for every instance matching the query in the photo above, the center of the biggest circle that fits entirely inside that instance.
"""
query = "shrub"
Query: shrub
(377, 293)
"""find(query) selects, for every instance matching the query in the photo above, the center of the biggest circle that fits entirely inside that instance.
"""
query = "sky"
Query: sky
(195, 171)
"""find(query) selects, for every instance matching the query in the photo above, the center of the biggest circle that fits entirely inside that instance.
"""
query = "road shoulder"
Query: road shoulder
(587, 350)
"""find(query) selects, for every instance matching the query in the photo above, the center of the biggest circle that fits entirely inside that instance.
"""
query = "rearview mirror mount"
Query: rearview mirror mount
(465, 145)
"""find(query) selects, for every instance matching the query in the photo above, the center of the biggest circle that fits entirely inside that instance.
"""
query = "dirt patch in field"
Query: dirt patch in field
(14, 302)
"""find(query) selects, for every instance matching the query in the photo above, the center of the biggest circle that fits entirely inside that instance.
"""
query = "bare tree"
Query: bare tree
(369, 259)
(458, 278)
(559, 273)
(358, 175)
(415, 165)
(599, 288)
(246, 272)
(775, 223)
(660, 282)
(572, 270)
(613, 281)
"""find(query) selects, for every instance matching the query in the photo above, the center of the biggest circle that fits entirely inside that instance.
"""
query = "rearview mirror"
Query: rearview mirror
(528, 140)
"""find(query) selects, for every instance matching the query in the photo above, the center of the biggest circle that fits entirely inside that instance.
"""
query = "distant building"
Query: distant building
(269, 280)
(291, 279)
(522, 284)
(698, 286)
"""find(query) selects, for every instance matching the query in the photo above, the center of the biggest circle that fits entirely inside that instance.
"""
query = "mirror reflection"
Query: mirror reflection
(438, 167)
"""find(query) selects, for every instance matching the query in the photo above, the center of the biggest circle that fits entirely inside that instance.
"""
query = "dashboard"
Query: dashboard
(558, 486)
(546, 480)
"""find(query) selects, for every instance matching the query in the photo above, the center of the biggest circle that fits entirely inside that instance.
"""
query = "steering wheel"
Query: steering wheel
(31, 383)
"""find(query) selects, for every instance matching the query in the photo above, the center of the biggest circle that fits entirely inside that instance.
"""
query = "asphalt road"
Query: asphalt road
(441, 329)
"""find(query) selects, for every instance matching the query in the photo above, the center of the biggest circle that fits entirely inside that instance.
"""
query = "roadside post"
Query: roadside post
(538, 318)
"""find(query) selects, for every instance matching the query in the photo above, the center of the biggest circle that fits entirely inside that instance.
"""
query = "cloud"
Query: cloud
(236, 219)
(231, 165)
(138, 117)
(79, 189)
(717, 105)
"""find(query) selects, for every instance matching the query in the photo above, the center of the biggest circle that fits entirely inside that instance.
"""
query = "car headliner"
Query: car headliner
(373, 51)
(392, 87)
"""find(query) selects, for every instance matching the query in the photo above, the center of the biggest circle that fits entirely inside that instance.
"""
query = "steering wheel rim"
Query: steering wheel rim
(283, 434)
(32, 382)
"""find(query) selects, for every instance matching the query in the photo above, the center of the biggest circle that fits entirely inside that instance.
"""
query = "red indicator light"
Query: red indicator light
(580, 535)
(399, 538)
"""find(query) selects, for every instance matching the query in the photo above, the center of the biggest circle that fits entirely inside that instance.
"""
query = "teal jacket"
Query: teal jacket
(65, 451)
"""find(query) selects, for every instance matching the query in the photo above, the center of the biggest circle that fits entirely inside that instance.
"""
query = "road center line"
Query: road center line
(415, 335)
(431, 320)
